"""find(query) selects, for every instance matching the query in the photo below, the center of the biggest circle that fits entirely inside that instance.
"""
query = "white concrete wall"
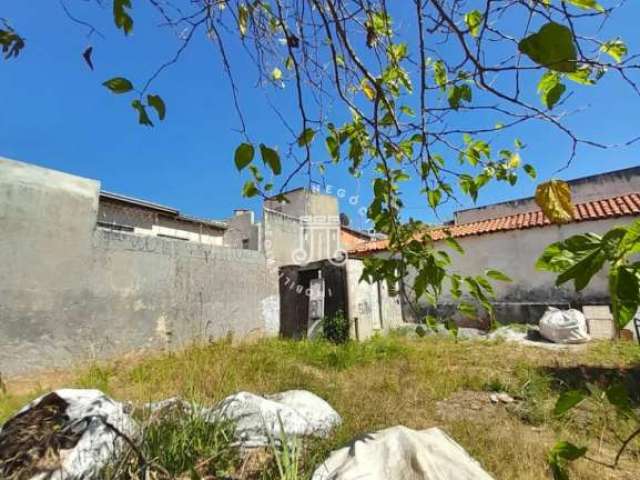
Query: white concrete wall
(515, 253)
(159, 230)
(371, 308)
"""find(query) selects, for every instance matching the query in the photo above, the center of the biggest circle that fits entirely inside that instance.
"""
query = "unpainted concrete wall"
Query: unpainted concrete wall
(69, 291)
(582, 190)
(242, 228)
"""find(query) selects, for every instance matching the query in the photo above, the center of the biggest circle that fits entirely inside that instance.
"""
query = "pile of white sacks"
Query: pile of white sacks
(99, 425)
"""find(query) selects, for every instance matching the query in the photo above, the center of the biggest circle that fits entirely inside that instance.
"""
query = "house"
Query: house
(127, 214)
(510, 236)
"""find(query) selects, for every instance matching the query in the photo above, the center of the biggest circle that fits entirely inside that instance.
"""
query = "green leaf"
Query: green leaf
(587, 4)
(627, 295)
(440, 74)
(616, 49)
(143, 118)
(433, 196)
(618, 396)
(156, 102)
(271, 158)
(244, 155)
(12, 43)
(118, 85)
(452, 327)
(568, 451)
(554, 198)
(243, 19)
(289, 64)
(630, 243)
(467, 309)
(567, 401)
(255, 171)
(583, 270)
(530, 170)
(473, 19)
(249, 189)
(458, 93)
(306, 137)
(333, 147)
(550, 89)
(121, 17)
(407, 110)
(497, 275)
(552, 46)
(454, 245)
(582, 76)
(557, 470)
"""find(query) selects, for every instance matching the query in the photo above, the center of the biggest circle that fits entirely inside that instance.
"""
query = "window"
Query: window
(245, 243)
(115, 226)
(164, 235)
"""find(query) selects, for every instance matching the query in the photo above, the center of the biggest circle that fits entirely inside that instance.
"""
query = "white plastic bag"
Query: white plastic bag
(564, 326)
(400, 453)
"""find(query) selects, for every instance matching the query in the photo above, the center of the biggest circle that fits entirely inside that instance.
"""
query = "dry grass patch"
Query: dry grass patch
(390, 381)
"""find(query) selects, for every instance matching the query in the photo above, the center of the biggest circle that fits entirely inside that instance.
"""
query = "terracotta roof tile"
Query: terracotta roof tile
(619, 206)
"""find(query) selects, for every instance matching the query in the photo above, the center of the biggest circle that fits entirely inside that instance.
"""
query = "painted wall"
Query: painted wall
(515, 253)
(371, 308)
(69, 291)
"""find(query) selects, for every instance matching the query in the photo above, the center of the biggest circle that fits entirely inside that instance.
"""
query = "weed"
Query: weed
(375, 384)
(336, 328)
(182, 442)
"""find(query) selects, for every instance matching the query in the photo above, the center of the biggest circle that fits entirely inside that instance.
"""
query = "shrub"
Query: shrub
(336, 328)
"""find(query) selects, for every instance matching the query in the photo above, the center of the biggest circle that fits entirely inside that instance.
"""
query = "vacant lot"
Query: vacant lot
(419, 383)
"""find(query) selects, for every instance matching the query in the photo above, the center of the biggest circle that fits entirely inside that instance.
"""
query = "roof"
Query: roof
(612, 207)
(630, 171)
(162, 209)
(138, 202)
(356, 232)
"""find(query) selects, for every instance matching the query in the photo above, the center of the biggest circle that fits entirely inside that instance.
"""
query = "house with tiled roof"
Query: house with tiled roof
(510, 236)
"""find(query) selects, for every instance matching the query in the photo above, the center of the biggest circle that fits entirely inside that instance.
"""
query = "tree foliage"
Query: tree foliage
(580, 257)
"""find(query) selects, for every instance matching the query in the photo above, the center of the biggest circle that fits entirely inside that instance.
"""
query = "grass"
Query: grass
(380, 383)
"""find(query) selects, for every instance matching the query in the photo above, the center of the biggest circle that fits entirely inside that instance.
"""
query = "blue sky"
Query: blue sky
(54, 112)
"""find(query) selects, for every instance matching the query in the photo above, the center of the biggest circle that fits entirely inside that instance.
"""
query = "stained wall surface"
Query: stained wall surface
(70, 291)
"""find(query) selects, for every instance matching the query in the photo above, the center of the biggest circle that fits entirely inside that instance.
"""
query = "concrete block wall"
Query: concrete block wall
(70, 291)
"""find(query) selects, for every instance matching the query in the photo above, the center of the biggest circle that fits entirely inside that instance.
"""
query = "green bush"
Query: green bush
(336, 328)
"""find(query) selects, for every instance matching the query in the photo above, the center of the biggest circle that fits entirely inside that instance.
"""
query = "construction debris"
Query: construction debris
(287, 415)
(65, 435)
(564, 326)
(400, 453)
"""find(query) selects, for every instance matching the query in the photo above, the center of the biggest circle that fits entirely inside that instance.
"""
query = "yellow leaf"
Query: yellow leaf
(554, 198)
(368, 90)
(243, 19)
(276, 74)
(514, 161)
